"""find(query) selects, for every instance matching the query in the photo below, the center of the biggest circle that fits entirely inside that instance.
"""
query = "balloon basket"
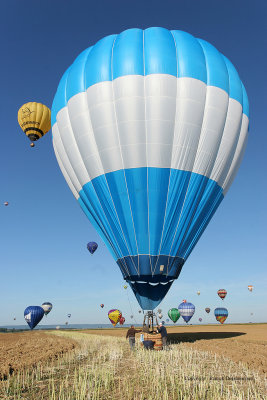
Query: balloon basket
(150, 321)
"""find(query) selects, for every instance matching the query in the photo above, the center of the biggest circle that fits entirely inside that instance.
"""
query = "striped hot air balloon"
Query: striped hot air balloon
(221, 314)
(186, 311)
(149, 129)
(35, 120)
(222, 293)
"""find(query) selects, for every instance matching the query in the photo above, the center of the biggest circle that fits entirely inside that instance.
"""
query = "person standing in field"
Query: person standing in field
(131, 335)
(163, 331)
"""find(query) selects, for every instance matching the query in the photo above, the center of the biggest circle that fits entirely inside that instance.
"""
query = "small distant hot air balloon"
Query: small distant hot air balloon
(186, 310)
(47, 307)
(66, 323)
(91, 247)
(250, 288)
(68, 315)
(57, 327)
(251, 313)
(174, 314)
(222, 293)
(14, 318)
(184, 301)
(167, 320)
(125, 286)
(35, 120)
(159, 310)
(198, 292)
(221, 314)
(102, 305)
(131, 316)
(6, 203)
(140, 311)
(33, 315)
(207, 309)
(122, 320)
(114, 316)
(200, 319)
(160, 316)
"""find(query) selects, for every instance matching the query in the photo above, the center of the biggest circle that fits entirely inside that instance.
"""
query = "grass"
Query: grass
(103, 368)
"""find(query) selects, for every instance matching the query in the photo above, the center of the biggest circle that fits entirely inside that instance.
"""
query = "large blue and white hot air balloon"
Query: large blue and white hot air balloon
(33, 315)
(149, 129)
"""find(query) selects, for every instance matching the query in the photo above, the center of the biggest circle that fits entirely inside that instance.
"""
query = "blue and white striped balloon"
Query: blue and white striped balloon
(149, 128)
(186, 310)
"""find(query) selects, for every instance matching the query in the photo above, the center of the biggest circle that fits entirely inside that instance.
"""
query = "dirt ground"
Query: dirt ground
(24, 349)
(242, 343)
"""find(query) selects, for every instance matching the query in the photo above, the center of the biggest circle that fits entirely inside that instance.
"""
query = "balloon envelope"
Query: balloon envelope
(101, 305)
(33, 315)
(114, 316)
(250, 288)
(122, 320)
(91, 247)
(34, 119)
(47, 307)
(186, 310)
(149, 128)
(174, 314)
(207, 309)
(221, 314)
(222, 293)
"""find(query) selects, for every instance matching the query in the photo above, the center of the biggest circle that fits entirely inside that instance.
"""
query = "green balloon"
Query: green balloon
(174, 314)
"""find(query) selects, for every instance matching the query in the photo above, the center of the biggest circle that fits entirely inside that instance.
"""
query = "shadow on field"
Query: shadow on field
(193, 336)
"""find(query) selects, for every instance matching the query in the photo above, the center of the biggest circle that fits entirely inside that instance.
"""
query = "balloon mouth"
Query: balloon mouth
(33, 137)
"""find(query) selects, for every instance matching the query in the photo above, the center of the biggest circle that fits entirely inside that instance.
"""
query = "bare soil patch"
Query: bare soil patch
(20, 350)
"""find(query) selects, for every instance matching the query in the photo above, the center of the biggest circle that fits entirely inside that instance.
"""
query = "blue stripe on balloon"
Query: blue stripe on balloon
(245, 102)
(131, 212)
(159, 52)
(217, 74)
(152, 51)
(188, 49)
(235, 85)
(128, 54)
(98, 65)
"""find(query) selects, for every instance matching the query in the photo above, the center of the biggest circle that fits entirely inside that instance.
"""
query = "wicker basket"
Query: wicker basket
(157, 339)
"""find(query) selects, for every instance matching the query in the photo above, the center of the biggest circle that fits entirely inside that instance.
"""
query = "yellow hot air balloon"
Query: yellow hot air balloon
(35, 120)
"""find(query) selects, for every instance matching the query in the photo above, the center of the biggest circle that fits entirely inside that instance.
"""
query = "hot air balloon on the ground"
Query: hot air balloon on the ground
(35, 120)
(102, 305)
(186, 311)
(221, 314)
(33, 315)
(114, 316)
(122, 320)
(250, 288)
(68, 315)
(200, 319)
(91, 247)
(207, 309)
(174, 314)
(198, 292)
(47, 307)
(222, 293)
(149, 129)
(6, 203)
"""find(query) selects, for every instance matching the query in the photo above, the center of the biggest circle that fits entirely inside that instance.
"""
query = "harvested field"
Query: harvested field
(246, 343)
(103, 368)
(21, 350)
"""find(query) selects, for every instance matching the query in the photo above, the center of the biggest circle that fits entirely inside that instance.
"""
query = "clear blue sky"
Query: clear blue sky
(43, 232)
